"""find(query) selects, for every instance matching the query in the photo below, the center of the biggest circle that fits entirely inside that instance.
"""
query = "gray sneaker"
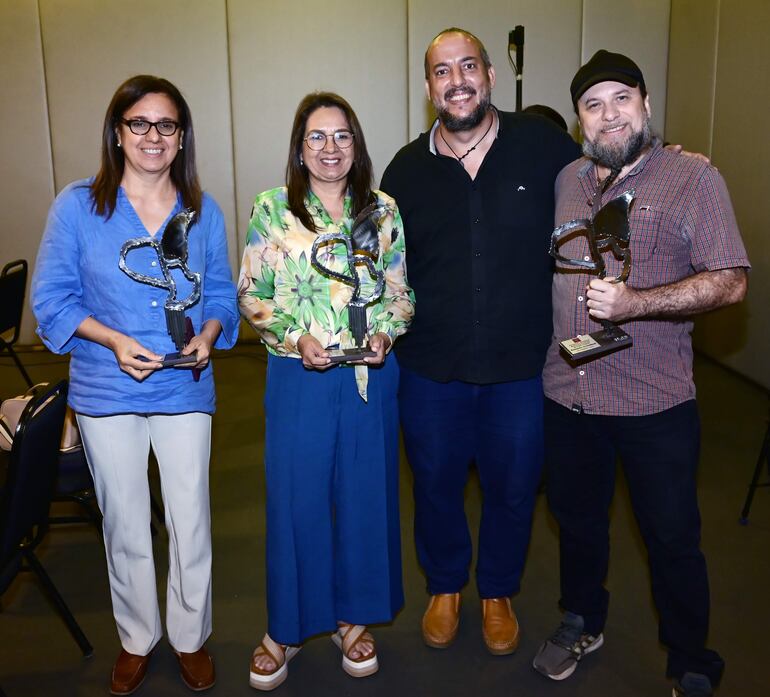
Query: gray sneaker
(693, 685)
(558, 657)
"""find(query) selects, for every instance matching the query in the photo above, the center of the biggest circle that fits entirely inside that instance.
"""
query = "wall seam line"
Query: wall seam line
(714, 79)
(52, 170)
(234, 169)
(406, 76)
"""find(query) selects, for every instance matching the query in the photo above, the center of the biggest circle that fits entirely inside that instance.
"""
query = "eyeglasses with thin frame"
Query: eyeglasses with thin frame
(316, 140)
(141, 127)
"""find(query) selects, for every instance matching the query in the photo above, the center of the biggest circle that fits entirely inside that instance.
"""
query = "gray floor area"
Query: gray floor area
(38, 657)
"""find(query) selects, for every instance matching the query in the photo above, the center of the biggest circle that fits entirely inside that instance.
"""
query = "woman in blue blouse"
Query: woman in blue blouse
(115, 330)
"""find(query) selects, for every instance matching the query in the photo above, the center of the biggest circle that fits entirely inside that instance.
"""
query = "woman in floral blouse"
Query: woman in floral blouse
(331, 445)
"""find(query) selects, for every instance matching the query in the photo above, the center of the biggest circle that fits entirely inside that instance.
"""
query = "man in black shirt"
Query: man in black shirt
(476, 197)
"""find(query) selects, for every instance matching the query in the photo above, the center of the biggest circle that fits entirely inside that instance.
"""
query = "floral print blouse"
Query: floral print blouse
(283, 296)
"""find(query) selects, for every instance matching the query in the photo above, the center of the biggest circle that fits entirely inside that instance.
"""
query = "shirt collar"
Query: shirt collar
(434, 128)
(319, 213)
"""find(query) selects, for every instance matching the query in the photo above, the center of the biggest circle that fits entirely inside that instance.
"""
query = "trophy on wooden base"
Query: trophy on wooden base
(606, 231)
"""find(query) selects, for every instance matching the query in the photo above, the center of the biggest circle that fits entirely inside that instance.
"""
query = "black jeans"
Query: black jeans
(659, 454)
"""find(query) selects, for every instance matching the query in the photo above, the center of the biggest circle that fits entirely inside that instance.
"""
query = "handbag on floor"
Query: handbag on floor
(12, 409)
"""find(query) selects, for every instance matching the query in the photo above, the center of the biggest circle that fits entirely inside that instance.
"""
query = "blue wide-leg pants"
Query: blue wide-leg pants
(331, 465)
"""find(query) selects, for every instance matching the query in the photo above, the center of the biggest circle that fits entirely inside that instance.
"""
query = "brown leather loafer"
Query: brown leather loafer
(501, 629)
(441, 619)
(128, 672)
(197, 669)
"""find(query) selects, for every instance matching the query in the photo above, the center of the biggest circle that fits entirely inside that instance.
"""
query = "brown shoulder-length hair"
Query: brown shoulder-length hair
(297, 180)
(104, 189)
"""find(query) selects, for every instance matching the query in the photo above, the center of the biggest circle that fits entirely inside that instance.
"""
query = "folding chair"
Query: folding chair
(26, 497)
(763, 459)
(13, 284)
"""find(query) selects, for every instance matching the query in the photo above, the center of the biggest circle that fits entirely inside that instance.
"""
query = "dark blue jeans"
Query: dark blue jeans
(447, 426)
(659, 454)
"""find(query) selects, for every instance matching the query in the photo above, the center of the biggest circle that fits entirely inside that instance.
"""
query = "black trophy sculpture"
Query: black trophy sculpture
(363, 249)
(607, 231)
(172, 254)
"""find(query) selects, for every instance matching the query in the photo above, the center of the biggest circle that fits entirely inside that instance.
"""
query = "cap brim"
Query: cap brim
(605, 77)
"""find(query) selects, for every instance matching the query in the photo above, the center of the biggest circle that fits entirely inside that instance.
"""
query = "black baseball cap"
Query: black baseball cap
(605, 66)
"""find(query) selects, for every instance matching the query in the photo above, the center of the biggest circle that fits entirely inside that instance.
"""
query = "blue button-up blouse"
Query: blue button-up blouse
(77, 276)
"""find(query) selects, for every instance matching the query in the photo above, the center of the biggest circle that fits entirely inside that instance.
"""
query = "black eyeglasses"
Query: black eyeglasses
(316, 140)
(140, 127)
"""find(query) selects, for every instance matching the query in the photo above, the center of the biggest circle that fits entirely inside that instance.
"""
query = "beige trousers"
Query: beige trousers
(117, 450)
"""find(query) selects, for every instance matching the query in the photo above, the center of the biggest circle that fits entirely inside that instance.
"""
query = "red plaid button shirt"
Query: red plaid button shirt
(682, 223)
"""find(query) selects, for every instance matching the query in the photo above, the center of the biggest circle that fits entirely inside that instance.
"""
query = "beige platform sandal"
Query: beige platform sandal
(346, 638)
(268, 680)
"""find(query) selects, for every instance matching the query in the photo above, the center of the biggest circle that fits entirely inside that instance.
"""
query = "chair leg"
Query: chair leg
(19, 365)
(157, 508)
(96, 519)
(86, 502)
(58, 601)
(764, 455)
(92, 514)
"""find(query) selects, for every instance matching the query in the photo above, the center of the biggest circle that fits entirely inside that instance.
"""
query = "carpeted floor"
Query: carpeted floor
(39, 658)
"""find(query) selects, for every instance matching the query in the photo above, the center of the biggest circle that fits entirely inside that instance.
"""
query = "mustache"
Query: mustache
(462, 89)
(606, 129)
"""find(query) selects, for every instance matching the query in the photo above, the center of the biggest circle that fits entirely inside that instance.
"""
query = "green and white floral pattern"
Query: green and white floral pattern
(283, 297)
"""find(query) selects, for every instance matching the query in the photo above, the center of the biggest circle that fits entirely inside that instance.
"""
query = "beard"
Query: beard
(615, 156)
(455, 124)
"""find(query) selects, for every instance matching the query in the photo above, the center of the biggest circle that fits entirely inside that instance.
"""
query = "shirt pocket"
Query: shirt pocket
(648, 267)
(644, 222)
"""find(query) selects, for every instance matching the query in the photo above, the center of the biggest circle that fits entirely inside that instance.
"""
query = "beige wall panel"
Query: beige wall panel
(741, 149)
(91, 46)
(551, 49)
(25, 167)
(638, 29)
(280, 52)
(691, 73)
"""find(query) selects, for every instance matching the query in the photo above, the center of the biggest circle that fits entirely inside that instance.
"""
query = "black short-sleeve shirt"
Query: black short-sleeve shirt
(477, 252)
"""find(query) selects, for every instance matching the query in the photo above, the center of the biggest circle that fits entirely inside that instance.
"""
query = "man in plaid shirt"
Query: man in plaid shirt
(639, 402)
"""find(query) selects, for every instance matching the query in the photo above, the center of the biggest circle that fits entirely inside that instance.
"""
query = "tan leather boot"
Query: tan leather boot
(441, 619)
(500, 627)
